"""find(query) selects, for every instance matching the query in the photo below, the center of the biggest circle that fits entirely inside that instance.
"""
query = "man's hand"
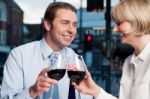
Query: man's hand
(42, 84)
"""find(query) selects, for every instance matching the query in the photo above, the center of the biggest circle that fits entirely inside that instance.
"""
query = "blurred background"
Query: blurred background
(21, 22)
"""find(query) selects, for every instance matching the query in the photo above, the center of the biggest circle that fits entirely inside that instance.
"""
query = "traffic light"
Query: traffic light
(95, 5)
(88, 41)
(89, 38)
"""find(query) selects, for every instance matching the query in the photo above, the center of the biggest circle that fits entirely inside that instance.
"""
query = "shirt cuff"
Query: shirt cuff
(100, 94)
(26, 94)
(104, 95)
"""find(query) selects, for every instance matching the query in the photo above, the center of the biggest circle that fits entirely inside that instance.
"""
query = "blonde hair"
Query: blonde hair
(137, 12)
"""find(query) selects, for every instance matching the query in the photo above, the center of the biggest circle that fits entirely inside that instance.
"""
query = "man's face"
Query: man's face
(63, 29)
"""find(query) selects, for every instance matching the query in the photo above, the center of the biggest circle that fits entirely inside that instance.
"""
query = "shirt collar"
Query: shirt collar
(132, 61)
(142, 56)
(47, 51)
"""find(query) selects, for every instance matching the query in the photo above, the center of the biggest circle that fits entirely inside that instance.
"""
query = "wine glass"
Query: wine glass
(76, 70)
(57, 65)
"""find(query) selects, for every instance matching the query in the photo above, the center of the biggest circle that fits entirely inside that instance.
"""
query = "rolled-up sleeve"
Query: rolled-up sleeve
(12, 84)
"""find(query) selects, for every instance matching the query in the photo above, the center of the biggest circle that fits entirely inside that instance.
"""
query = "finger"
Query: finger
(47, 80)
(88, 74)
(76, 86)
(45, 70)
(43, 79)
(51, 81)
(79, 88)
(43, 89)
(73, 83)
(45, 84)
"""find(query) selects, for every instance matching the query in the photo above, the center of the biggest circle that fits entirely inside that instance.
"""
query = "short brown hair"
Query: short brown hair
(51, 10)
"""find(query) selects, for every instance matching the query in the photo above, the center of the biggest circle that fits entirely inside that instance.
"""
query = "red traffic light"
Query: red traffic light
(89, 38)
(88, 43)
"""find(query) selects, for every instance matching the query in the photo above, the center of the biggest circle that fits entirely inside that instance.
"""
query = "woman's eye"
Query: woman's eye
(118, 23)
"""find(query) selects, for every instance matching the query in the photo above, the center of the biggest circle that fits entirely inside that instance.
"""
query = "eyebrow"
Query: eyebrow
(68, 21)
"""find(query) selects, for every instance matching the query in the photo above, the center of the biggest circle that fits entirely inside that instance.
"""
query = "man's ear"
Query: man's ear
(47, 25)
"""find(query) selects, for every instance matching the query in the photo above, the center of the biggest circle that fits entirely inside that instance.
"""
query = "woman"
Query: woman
(132, 23)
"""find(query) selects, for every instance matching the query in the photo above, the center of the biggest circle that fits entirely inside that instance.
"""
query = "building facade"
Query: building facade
(11, 22)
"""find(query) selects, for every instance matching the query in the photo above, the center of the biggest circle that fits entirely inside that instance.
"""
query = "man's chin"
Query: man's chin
(67, 44)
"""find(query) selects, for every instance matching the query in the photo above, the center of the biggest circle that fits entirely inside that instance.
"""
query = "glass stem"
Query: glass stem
(79, 95)
(52, 89)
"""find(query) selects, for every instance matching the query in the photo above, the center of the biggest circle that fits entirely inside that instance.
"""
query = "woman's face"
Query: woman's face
(124, 29)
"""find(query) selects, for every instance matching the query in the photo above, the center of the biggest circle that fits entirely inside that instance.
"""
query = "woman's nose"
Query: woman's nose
(115, 29)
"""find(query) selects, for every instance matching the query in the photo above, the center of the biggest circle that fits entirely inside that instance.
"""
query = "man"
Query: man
(26, 67)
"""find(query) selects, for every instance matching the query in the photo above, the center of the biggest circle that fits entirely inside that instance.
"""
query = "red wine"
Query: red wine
(56, 73)
(76, 76)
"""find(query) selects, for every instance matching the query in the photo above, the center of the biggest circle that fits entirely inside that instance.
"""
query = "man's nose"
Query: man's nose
(71, 28)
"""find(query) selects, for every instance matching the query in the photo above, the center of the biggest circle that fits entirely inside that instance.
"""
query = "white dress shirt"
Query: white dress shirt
(23, 66)
(135, 81)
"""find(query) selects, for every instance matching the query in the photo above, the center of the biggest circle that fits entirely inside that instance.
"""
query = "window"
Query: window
(2, 37)
(3, 11)
(0, 13)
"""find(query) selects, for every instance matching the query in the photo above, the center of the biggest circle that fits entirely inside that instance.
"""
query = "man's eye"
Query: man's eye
(75, 25)
(64, 23)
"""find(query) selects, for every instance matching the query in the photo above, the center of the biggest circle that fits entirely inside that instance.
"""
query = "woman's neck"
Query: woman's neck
(141, 42)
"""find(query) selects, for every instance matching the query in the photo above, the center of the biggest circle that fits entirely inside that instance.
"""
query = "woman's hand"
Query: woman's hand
(88, 86)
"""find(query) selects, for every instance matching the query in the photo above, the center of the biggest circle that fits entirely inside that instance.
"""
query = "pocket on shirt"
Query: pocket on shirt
(141, 90)
(125, 87)
(125, 81)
